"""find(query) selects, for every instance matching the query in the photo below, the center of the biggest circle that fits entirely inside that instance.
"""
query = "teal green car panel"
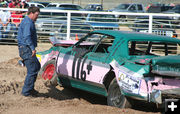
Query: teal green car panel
(86, 86)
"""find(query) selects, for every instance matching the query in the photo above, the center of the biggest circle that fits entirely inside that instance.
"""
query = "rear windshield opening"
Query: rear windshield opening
(152, 48)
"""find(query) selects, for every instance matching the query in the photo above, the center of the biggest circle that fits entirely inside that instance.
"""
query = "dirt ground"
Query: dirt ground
(57, 100)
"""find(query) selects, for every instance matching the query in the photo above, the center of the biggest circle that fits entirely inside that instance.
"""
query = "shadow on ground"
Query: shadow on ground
(71, 93)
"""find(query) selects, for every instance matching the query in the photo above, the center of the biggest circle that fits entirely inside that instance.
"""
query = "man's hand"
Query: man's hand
(33, 53)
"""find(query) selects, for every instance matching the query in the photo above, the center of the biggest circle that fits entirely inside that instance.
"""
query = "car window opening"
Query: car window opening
(152, 48)
(97, 43)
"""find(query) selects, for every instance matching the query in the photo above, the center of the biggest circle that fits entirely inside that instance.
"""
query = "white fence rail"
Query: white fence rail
(71, 25)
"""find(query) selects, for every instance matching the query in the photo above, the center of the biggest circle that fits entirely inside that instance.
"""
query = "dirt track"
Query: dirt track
(51, 100)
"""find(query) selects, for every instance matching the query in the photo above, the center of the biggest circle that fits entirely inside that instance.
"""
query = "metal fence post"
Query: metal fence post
(68, 25)
(150, 23)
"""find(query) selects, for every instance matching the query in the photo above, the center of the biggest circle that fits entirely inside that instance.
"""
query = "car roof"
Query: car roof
(95, 4)
(33, 3)
(129, 35)
(50, 8)
(69, 4)
(63, 4)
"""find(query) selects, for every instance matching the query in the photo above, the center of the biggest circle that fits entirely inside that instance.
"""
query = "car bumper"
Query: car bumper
(157, 96)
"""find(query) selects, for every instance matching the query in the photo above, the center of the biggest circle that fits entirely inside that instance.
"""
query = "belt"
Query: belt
(20, 46)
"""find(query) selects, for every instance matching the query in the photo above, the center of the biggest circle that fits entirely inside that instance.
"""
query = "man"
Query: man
(27, 42)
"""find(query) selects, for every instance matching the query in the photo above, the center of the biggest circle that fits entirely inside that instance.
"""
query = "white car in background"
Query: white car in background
(35, 4)
(65, 6)
(129, 8)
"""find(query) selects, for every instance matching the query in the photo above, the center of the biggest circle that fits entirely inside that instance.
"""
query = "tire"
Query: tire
(115, 98)
(48, 73)
(122, 18)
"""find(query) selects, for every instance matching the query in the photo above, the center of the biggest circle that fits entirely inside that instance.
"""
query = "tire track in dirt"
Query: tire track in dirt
(9, 87)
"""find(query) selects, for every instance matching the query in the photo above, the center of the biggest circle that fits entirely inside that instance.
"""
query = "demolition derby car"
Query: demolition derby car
(116, 64)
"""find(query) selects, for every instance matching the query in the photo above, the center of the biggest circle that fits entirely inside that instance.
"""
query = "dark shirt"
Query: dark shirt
(27, 33)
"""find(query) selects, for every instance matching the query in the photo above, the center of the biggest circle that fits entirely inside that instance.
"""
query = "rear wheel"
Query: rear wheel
(48, 73)
(115, 97)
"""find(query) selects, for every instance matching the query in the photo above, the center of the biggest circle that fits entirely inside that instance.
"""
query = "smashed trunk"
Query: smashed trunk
(166, 66)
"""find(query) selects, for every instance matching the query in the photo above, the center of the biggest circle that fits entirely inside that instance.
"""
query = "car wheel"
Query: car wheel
(115, 97)
(48, 73)
(122, 18)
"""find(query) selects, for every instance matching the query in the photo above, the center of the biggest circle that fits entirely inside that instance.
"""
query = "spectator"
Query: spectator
(18, 1)
(23, 5)
(13, 4)
(2, 2)
(5, 24)
(16, 18)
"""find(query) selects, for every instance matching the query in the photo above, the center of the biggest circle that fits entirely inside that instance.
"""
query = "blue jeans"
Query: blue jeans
(33, 66)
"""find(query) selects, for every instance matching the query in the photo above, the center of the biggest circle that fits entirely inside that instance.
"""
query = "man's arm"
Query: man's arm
(27, 35)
